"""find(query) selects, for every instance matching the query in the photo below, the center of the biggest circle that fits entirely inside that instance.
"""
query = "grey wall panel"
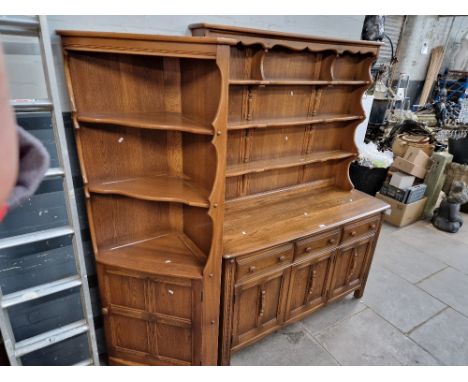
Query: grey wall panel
(47, 313)
(34, 264)
(65, 353)
(39, 212)
(40, 125)
(50, 312)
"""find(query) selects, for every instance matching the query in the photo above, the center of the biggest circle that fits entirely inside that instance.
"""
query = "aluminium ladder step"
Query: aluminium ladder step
(54, 171)
(39, 291)
(31, 104)
(34, 237)
(51, 337)
(86, 362)
(19, 26)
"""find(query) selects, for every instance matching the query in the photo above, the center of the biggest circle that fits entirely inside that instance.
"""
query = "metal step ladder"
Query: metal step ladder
(38, 27)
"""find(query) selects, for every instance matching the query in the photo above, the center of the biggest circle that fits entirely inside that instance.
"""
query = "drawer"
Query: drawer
(317, 243)
(261, 261)
(360, 228)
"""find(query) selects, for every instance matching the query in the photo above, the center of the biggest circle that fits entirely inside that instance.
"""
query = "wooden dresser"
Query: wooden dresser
(216, 181)
(150, 123)
(296, 234)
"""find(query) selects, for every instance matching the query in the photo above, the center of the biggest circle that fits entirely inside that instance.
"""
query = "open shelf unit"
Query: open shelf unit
(296, 234)
(148, 120)
(151, 142)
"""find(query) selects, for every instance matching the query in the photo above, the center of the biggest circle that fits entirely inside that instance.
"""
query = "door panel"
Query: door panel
(126, 291)
(129, 333)
(309, 285)
(149, 318)
(259, 305)
(349, 267)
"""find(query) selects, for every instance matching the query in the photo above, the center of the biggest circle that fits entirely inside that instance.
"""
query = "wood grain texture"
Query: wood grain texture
(150, 121)
(292, 121)
(257, 226)
(159, 121)
(157, 188)
(296, 234)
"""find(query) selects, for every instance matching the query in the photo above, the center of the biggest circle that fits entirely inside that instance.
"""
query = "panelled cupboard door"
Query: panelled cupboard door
(150, 319)
(308, 287)
(259, 305)
(350, 266)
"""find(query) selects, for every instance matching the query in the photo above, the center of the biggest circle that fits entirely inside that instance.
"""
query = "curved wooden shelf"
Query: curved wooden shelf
(279, 217)
(157, 121)
(167, 253)
(164, 188)
(292, 121)
(296, 82)
(285, 162)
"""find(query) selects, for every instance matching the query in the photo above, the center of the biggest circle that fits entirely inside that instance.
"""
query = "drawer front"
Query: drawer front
(317, 243)
(259, 262)
(361, 228)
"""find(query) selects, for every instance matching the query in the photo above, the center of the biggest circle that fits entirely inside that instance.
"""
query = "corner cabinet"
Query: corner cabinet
(297, 236)
(150, 121)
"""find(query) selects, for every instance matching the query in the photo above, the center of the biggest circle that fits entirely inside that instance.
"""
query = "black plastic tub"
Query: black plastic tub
(368, 180)
(459, 149)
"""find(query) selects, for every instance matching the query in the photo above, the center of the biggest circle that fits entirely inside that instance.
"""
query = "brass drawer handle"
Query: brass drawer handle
(282, 258)
(332, 241)
(308, 249)
(252, 269)
(312, 281)
(262, 304)
(352, 265)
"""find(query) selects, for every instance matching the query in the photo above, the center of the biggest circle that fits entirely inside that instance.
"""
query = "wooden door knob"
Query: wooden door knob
(252, 268)
(332, 241)
(308, 249)
(105, 311)
(282, 258)
(373, 226)
(353, 233)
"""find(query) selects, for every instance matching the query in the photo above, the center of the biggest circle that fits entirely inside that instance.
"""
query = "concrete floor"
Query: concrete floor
(414, 310)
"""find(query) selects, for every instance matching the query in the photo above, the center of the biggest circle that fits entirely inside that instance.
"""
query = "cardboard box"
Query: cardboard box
(402, 214)
(410, 168)
(417, 156)
(402, 180)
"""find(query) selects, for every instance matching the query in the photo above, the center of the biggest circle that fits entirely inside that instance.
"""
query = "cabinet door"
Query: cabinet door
(350, 267)
(259, 306)
(309, 285)
(149, 320)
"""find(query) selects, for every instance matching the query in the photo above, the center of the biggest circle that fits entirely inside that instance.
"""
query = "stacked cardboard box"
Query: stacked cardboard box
(405, 190)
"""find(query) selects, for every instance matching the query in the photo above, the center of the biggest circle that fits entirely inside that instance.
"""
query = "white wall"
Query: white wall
(435, 31)
(23, 62)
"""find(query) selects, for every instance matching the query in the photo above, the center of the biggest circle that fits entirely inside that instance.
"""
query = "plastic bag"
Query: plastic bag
(370, 156)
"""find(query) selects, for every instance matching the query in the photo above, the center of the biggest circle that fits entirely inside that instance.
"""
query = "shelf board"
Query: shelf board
(164, 188)
(285, 162)
(165, 254)
(297, 82)
(278, 217)
(292, 121)
(156, 121)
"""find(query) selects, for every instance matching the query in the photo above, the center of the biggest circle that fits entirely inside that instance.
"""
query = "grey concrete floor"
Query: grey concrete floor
(414, 310)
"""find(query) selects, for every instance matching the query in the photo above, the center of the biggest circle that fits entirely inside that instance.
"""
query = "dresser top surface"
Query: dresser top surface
(147, 37)
(234, 32)
(271, 223)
